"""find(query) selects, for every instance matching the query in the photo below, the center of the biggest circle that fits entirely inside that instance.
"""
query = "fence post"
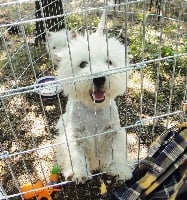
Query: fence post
(48, 8)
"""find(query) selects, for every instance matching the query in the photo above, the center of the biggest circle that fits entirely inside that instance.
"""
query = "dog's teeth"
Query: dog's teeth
(98, 95)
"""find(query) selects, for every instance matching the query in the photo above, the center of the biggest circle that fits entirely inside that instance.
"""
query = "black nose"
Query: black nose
(99, 82)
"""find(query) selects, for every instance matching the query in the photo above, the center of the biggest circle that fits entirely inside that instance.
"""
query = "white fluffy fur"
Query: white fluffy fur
(85, 118)
(56, 41)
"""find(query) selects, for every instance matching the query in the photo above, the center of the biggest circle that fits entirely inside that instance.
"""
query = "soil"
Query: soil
(28, 120)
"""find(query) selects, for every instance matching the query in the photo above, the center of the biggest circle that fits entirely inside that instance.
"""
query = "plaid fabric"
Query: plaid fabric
(163, 174)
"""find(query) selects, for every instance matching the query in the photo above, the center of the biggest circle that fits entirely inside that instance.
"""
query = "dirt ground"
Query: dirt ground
(27, 129)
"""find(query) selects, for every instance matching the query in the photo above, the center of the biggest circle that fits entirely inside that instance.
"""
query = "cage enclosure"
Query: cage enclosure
(155, 32)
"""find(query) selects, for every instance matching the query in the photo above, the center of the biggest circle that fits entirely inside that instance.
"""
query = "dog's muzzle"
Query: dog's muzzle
(98, 92)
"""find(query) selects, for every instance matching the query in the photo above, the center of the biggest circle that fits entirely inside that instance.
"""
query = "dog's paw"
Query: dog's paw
(122, 172)
(78, 176)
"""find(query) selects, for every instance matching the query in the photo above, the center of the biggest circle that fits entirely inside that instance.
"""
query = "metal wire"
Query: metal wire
(14, 85)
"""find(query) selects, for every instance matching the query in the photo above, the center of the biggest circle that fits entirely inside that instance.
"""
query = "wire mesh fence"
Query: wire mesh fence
(155, 33)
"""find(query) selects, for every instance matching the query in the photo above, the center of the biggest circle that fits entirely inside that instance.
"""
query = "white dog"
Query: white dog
(56, 41)
(90, 128)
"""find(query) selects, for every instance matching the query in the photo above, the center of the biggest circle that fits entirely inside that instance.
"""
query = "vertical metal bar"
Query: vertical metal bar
(172, 80)
(143, 33)
(161, 20)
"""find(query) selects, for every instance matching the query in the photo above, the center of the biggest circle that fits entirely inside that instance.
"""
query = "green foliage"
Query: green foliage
(75, 21)
(167, 51)
(29, 29)
(140, 17)
(78, 21)
(152, 50)
(179, 91)
(136, 46)
(160, 98)
(170, 28)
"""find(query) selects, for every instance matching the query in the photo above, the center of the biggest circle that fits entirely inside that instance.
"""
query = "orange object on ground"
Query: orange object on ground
(39, 191)
(54, 178)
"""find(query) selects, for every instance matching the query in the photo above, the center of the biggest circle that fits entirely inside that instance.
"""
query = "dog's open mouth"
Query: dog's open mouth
(98, 96)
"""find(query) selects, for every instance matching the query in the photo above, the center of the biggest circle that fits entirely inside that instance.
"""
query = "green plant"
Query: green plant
(136, 45)
(179, 91)
(140, 17)
(78, 21)
(160, 98)
(167, 51)
(29, 29)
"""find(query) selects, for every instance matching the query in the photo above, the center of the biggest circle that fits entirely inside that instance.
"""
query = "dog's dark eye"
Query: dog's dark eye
(83, 64)
(54, 47)
(109, 62)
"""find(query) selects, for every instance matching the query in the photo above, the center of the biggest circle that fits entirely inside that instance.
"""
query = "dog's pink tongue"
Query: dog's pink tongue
(98, 95)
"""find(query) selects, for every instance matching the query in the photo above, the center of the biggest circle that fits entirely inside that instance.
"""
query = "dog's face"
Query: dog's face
(59, 40)
(94, 56)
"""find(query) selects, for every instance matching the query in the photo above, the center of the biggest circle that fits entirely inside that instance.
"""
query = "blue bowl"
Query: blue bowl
(45, 88)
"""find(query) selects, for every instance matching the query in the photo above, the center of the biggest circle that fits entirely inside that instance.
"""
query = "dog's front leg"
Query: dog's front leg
(76, 166)
(116, 162)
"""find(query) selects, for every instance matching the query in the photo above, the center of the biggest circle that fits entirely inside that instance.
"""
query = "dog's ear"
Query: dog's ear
(73, 34)
(102, 23)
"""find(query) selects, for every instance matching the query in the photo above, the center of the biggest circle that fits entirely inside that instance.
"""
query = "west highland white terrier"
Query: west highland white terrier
(90, 136)
(56, 41)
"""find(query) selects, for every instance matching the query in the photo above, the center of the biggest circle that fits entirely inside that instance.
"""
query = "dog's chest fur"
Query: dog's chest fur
(83, 122)
(90, 121)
